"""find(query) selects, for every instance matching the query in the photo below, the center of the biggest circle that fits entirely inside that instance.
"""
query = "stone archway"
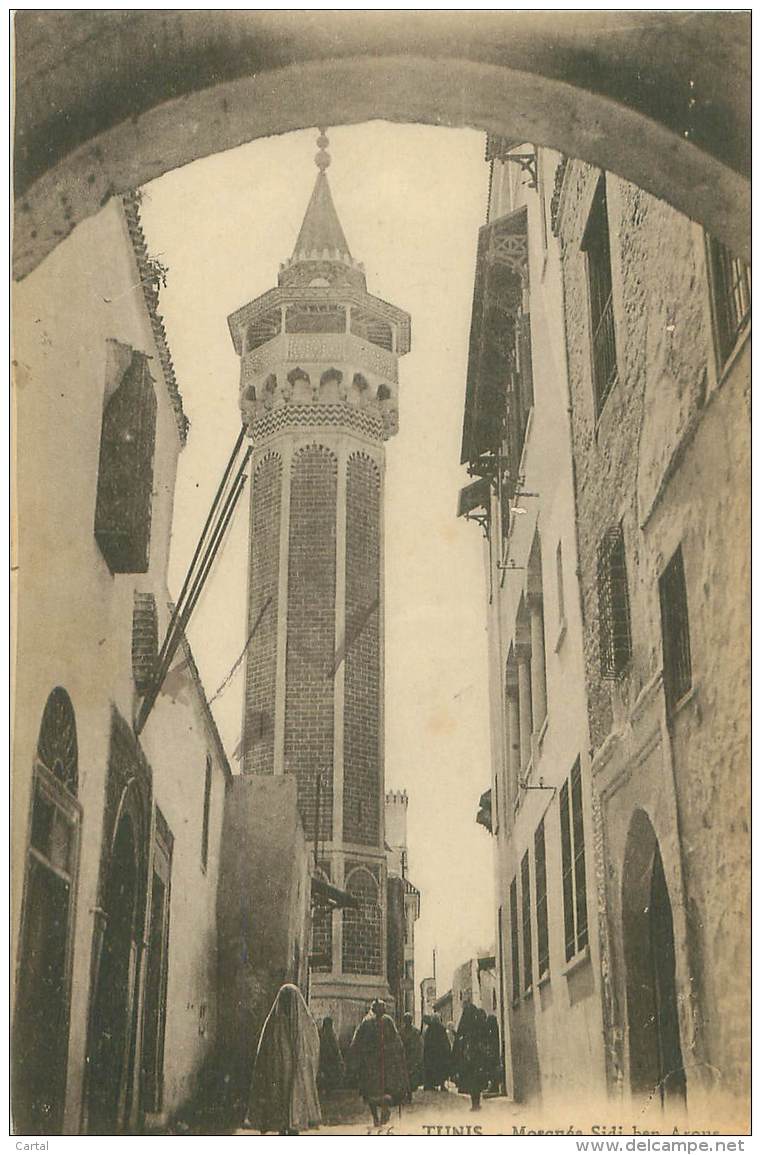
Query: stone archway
(107, 101)
(656, 1065)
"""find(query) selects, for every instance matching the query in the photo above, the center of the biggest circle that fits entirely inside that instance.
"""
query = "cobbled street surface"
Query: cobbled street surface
(344, 1113)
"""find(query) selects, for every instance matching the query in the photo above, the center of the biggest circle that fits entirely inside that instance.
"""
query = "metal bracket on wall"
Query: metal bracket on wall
(527, 161)
(540, 786)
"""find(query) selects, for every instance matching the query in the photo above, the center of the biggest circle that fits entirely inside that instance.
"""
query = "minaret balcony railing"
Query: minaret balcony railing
(326, 349)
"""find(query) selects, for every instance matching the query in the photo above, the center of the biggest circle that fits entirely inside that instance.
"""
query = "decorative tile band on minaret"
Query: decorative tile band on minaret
(319, 397)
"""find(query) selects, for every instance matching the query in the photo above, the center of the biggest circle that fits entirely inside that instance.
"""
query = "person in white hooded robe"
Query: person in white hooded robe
(284, 1095)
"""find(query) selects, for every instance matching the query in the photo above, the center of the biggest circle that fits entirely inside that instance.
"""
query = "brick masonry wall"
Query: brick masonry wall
(322, 931)
(261, 663)
(311, 633)
(362, 951)
(362, 769)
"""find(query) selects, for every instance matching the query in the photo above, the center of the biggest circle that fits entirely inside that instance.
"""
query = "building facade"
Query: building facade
(427, 996)
(116, 838)
(606, 424)
(403, 988)
(517, 443)
(318, 394)
(657, 321)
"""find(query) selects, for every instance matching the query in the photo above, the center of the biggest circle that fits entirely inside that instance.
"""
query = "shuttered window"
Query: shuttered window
(613, 595)
(528, 960)
(514, 942)
(675, 627)
(540, 883)
(125, 471)
(596, 245)
(573, 864)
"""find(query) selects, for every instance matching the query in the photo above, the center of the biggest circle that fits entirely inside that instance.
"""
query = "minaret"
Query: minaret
(318, 394)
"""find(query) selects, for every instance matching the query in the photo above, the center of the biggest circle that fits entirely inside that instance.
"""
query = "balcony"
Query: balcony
(326, 349)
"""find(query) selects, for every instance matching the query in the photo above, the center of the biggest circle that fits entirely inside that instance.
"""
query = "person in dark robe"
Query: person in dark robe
(494, 1053)
(331, 1073)
(412, 1041)
(377, 1056)
(284, 1086)
(470, 1055)
(437, 1054)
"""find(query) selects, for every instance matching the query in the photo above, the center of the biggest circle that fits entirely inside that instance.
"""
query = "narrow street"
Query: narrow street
(344, 1113)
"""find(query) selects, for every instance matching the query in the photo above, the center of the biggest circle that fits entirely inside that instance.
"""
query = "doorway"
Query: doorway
(112, 1053)
(656, 1065)
(41, 1020)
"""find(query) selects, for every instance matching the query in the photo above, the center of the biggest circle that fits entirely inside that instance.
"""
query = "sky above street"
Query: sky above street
(411, 200)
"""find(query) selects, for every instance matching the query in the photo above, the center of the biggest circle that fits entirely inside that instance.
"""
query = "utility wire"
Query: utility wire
(206, 550)
(242, 654)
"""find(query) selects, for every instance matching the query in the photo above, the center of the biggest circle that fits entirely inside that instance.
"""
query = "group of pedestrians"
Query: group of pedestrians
(296, 1062)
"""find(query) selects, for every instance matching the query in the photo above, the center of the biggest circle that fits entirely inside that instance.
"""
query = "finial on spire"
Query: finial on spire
(322, 159)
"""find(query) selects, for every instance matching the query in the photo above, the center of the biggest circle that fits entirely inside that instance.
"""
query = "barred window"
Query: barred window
(145, 641)
(596, 244)
(675, 627)
(574, 864)
(514, 946)
(613, 595)
(528, 960)
(730, 293)
(540, 883)
(125, 471)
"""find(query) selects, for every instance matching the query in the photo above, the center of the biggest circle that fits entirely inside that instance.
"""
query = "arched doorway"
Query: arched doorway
(112, 1053)
(41, 1020)
(656, 1065)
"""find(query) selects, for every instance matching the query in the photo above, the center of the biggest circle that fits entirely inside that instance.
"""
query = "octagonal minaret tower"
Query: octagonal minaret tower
(318, 394)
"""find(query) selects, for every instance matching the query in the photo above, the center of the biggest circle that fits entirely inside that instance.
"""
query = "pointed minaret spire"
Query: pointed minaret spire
(321, 236)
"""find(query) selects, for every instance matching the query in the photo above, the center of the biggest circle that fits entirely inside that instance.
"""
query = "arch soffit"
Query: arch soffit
(365, 874)
(57, 746)
(315, 449)
(359, 455)
(270, 458)
(506, 101)
(639, 857)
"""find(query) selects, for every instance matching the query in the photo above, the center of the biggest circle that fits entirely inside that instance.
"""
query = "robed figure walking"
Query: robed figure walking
(284, 1087)
(412, 1042)
(471, 1061)
(330, 1075)
(377, 1056)
(437, 1057)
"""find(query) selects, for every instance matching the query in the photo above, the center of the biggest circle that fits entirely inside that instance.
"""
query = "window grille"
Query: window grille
(573, 864)
(263, 328)
(516, 966)
(315, 318)
(125, 471)
(613, 595)
(730, 291)
(675, 627)
(596, 245)
(540, 882)
(145, 641)
(528, 961)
